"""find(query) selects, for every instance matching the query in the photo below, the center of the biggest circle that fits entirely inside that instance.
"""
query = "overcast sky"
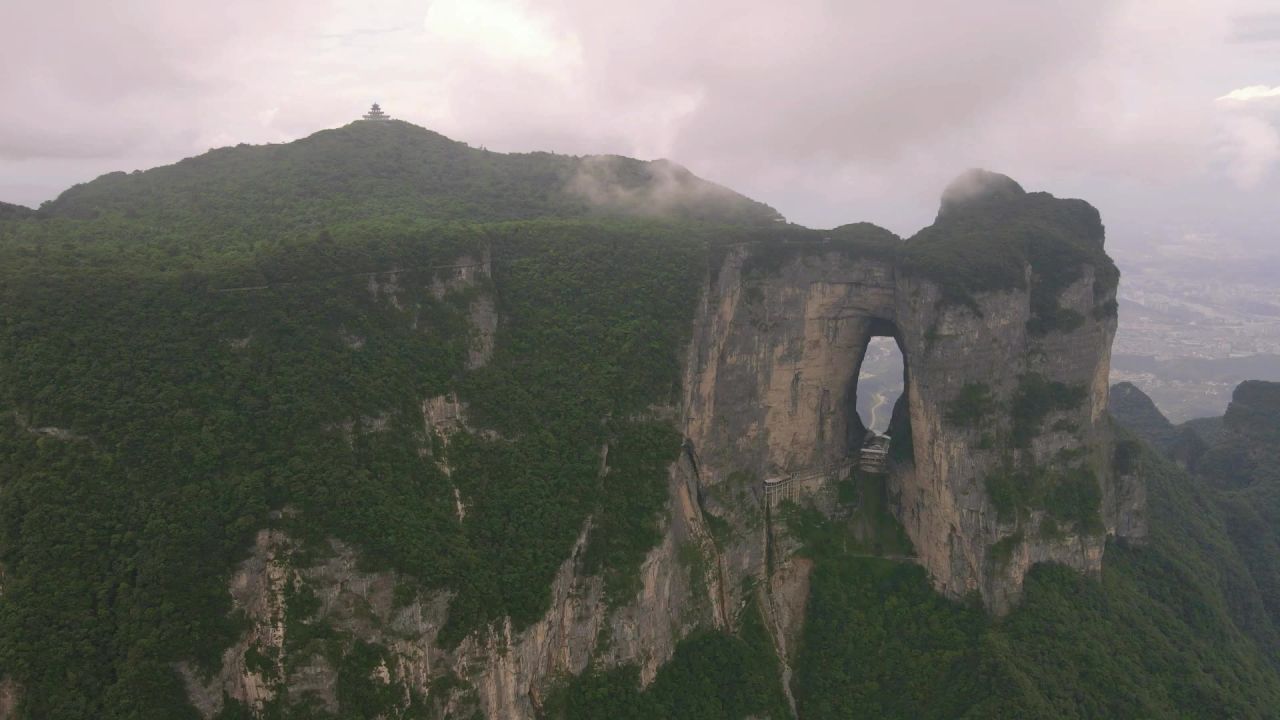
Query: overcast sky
(1163, 113)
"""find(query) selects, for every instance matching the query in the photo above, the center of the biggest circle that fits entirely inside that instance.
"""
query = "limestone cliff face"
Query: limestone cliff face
(776, 356)
(774, 371)
(943, 501)
(499, 672)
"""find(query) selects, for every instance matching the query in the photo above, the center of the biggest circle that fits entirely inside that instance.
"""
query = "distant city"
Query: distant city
(1193, 326)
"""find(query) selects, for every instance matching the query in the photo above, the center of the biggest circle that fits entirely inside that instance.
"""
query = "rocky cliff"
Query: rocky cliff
(1004, 310)
(501, 672)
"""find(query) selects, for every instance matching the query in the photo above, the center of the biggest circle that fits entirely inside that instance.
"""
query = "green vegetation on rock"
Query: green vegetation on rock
(971, 405)
(364, 171)
(1070, 495)
(989, 230)
(1237, 469)
(626, 525)
(1034, 399)
(151, 421)
(252, 339)
(711, 675)
(1171, 630)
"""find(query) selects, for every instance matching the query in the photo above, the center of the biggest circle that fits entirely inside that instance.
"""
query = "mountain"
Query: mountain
(1137, 412)
(1185, 444)
(1240, 447)
(1247, 449)
(376, 424)
(370, 169)
(9, 211)
(1232, 463)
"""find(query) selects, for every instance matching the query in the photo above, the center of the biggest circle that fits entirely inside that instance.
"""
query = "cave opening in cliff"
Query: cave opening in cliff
(876, 401)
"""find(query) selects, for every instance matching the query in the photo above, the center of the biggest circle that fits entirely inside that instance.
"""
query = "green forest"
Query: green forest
(1182, 627)
(180, 437)
(194, 353)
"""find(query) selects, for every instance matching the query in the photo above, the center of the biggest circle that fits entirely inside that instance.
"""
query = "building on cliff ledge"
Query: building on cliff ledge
(805, 483)
(875, 454)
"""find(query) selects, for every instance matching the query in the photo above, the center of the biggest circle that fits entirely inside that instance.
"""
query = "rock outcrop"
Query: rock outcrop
(1247, 450)
(1006, 379)
(1136, 411)
(10, 694)
(1185, 444)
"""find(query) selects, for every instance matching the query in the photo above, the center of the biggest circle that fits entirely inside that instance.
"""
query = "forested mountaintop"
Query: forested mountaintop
(9, 211)
(268, 413)
(989, 231)
(369, 169)
(1230, 463)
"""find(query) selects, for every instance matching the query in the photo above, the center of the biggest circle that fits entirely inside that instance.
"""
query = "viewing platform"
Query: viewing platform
(791, 487)
(875, 455)
(873, 458)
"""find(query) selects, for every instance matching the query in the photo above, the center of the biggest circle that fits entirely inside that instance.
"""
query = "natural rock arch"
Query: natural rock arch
(784, 329)
(858, 426)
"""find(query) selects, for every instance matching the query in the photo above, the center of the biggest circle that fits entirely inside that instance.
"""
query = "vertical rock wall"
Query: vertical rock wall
(774, 370)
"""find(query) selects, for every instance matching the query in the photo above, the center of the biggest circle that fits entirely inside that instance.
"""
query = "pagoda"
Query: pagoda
(375, 113)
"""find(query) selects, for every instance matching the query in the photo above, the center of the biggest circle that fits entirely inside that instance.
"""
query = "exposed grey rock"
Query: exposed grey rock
(10, 695)
(505, 671)
(775, 370)
(483, 318)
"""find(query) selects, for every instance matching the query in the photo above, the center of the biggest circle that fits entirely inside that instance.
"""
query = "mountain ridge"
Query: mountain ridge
(408, 168)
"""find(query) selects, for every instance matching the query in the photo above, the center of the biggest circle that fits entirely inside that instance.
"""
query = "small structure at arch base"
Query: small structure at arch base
(874, 457)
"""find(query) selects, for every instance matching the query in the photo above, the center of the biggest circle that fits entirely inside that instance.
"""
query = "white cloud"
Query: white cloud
(503, 31)
(1252, 92)
(1249, 138)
